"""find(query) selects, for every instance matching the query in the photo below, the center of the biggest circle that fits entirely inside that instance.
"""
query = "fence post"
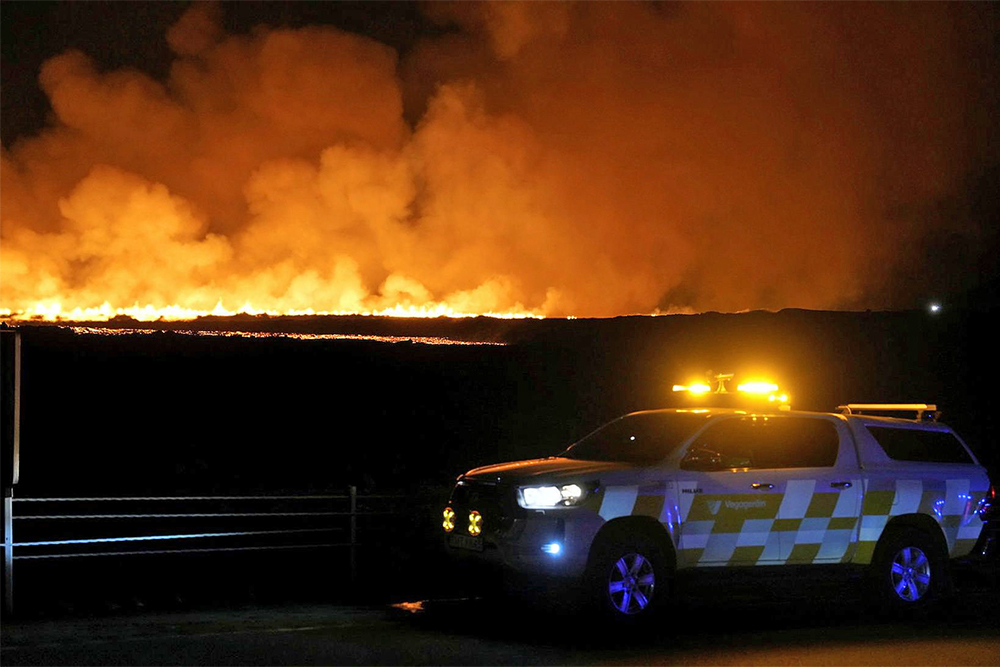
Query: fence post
(353, 493)
(8, 551)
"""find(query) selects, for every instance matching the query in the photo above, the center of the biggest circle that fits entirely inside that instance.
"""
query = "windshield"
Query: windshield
(644, 438)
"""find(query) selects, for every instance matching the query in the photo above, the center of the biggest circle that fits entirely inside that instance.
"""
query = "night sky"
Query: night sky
(559, 159)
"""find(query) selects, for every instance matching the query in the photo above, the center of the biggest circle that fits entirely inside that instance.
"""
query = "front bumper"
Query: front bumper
(551, 542)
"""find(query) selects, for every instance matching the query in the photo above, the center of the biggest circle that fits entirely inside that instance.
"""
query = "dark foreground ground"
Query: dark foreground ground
(800, 623)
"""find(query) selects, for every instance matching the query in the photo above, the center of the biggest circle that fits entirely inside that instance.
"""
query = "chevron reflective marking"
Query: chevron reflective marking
(971, 530)
(878, 497)
(872, 527)
(649, 501)
(798, 495)
(618, 501)
(956, 494)
(720, 547)
(671, 512)
(695, 534)
(847, 501)
(929, 500)
(811, 531)
(834, 545)
(908, 495)
(685, 491)
(772, 549)
(754, 532)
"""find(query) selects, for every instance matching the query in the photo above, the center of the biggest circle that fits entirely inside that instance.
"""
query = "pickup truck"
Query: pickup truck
(656, 492)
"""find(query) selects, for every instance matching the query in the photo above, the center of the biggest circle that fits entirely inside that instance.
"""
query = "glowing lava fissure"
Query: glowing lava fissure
(422, 340)
(54, 312)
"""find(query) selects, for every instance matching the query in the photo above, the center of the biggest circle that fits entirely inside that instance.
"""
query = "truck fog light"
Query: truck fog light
(475, 523)
(449, 519)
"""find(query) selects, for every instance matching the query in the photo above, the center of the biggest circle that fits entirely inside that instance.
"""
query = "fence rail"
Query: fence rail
(144, 528)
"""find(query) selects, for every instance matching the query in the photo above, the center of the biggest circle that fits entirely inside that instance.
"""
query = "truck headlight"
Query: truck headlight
(537, 497)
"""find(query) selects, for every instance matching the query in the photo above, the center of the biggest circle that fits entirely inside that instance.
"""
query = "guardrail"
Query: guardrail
(81, 527)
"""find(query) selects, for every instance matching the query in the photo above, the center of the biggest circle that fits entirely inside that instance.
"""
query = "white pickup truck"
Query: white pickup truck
(655, 492)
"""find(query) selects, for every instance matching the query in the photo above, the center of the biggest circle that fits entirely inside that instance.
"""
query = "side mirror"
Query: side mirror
(702, 459)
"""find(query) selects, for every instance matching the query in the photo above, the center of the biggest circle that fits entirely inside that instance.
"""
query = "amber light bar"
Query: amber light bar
(761, 389)
(693, 388)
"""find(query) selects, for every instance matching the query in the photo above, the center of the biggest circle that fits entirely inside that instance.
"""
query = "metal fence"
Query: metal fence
(81, 527)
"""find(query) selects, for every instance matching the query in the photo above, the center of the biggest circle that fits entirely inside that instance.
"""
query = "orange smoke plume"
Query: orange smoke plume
(533, 159)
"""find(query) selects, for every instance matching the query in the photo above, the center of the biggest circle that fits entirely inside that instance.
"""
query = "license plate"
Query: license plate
(466, 542)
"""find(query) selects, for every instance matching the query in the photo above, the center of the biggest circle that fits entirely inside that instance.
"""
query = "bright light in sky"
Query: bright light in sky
(934, 307)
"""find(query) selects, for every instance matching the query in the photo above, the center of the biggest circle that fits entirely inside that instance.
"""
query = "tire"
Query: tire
(909, 572)
(629, 579)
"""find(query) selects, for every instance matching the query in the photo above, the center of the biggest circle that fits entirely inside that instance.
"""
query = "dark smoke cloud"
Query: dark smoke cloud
(567, 159)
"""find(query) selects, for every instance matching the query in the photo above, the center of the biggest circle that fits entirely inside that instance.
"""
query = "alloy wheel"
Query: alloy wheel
(631, 583)
(910, 574)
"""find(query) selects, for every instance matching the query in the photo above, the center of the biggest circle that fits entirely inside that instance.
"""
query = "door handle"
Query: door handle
(840, 485)
(761, 485)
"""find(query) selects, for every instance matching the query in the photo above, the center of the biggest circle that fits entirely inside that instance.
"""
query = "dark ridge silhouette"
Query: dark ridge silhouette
(177, 412)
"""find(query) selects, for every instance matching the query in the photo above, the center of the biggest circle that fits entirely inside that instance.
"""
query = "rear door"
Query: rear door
(817, 521)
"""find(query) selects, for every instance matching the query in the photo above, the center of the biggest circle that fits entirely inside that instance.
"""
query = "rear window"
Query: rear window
(910, 444)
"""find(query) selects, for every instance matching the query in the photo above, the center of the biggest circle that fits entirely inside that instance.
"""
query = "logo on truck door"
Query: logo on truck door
(743, 504)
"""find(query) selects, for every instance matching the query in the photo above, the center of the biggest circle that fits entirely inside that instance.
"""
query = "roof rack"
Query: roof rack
(924, 411)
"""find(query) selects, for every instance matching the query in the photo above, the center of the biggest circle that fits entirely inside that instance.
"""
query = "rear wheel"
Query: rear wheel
(909, 571)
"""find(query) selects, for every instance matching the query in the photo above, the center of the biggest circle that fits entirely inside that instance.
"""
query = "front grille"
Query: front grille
(494, 502)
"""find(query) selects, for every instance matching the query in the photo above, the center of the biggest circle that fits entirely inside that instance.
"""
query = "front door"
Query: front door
(726, 520)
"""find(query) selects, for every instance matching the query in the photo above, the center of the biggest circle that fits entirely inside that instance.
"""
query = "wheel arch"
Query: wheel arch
(635, 525)
(922, 522)
(941, 584)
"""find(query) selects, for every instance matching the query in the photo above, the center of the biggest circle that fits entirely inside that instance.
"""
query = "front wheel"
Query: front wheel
(629, 579)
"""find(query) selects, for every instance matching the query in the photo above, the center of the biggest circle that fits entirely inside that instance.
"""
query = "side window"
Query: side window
(728, 444)
(909, 444)
(792, 442)
(776, 442)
